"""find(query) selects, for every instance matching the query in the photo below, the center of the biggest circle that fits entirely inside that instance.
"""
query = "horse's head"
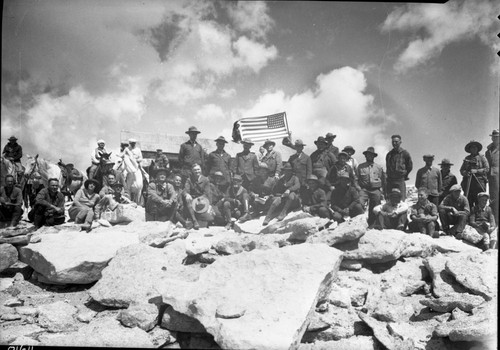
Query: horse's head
(31, 165)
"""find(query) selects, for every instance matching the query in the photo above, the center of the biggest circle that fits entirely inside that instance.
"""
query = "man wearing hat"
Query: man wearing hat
(261, 189)
(330, 147)
(235, 202)
(351, 161)
(49, 206)
(322, 160)
(33, 187)
(285, 197)
(483, 220)
(454, 210)
(219, 160)
(448, 179)
(161, 160)
(96, 157)
(161, 198)
(313, 198)
(82, 209)
(272, 158)
(14, 152)
(135, 150)
(246, 163)
(112, 196)
(424, 215)
(372, 182)
(300, 162)
(112, 187)
(11, 201)
(341, 167)
(218, 190)
(345, 199)
(430, 178)
(392, 214)
(398, 166)
(474, 171)
(493, 158)
(196, 186)
(191, 153)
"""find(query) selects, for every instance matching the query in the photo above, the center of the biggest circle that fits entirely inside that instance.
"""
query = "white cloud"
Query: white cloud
(253, 55)
(443, 25)
(210, 113)
(251, 17)
(227, 93)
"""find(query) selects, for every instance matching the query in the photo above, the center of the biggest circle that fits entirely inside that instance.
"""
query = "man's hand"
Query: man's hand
(306, 209)
(454, 211)
(473, 171)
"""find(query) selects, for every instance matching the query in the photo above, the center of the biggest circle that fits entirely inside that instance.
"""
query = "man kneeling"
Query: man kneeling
(424, 215)
(49, 206)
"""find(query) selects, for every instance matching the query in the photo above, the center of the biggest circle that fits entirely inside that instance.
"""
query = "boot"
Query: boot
(266, 220)
(284, 211)
(196, 225)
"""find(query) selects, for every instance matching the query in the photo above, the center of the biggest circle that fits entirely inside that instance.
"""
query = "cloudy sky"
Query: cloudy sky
(76, 71)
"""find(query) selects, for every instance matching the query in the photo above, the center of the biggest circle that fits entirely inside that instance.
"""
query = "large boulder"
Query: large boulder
(72, 257)
(347, 231)
(476, 271)
(144, 316)
(383, 333)
(57, 317)
(358, 284)
(8, 335)
(301, 229)
(241, 242)
(339, 323)
(136, 270)
(125, 213)
(463, 301)
(255, 225)
(405, 277)
(8, 255)
(443, 283)
(287, 282)
(175, 321)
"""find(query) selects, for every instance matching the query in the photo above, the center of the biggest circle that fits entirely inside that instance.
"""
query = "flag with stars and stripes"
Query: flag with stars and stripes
(274, 126)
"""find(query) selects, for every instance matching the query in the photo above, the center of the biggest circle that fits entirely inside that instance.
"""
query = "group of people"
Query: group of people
(217, 189)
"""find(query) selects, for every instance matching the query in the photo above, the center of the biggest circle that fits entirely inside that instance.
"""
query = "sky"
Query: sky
(76, 71)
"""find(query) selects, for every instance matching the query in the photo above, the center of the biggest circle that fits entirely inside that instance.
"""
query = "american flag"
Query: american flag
(273, 126)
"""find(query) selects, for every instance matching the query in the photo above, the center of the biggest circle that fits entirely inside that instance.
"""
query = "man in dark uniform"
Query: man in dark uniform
(219, 160)
(191, 153)
(196, 185)
(49, 206)
(272, 158)
(448, 179)
(330, 147)
(493, 160)
(313, 198)
(14, 152)
(345, 199)
(161, 198)
(246, 163)
(11, 200)
(474, 170)
(322, 160)
(430, 178)
(260, 192)
(454, 210)
(399, 166)
(301, 162)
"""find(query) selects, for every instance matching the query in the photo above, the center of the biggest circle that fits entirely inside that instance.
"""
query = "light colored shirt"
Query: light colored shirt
(388, 208)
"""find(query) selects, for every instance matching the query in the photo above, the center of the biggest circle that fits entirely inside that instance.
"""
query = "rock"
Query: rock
(144, 316)
(27, 310)
(8, 335)
(358, 284)
(85, 316)
(418, 332)
(389, 306)
(353, 343)
(449, 244)
(207, 258)
(245, 243)
(11, 316)
(153, 233)
(57, 317)
(161, 337)
(347, 231)
(175, 321)
(5, 283)
(339, 324)
(463, 301)
(301, 229)
(349, 264)
(340, 297)
(8, 255)
(229, 310)
(71, 257)
(124, 213)
(458, 314)
(443, 283)
(471, 235)
(101, 332)
(13, 302)
(126, 279)
(25, 341)
(391, 340)
(476, 271)
(405, 277)
(297, 275)
(255, 226)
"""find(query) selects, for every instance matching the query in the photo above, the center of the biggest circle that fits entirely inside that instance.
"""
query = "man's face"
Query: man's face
(246, 146)
(111, 179)
(132, 144)
(236, 183)
(422, 196)
(330, 140)
(428, 161)
(482, 201)
(394, 199)
(193, 135)
(91, 187)
(220, 145)
(37, 179)
(9, 182)
(342, 159)
(53, 186)
(269, 147)
(100, 145)
(299, 148)
(312, 184)
(162, 177)
(197, 171)
(455, 194)
(177, 181)
(321, 146)
(474, 149)
(445, 168)
(159, 153)
(495, 139)
(218, 179)
(396, 142)
(370, 157)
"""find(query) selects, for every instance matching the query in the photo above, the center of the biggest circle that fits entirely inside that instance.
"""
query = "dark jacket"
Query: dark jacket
(398, 164)
(246, 165)
(302, 166)
(219, 162)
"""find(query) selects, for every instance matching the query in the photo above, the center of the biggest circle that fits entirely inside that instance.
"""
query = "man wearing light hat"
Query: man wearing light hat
(448, 179)
(351, 161)
(454, 210)
(272, 158)
(301, 162)
(197, 185)
(493, 158)
(371, 180)
(219, 160)
(330, 147)
(246, 163)
(191, 153)
(96, 156)
(474, 170)
(430, 178)
(136, 151)
(482, 219)
(14, 152)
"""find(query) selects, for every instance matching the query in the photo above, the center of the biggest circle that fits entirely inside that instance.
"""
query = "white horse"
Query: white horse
(46, 169)
(6, 168)
(129, 173)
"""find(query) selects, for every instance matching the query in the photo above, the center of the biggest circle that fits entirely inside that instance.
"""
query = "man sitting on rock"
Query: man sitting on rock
(49, 206)
(285, 195)
(197, 185)
(33, 188)
(424, 215)
(235, 202)
(483, 220)
(345, 198)
(392, 214)
(218, 190)
(260, 192)
(11, 200)
(161, 198)
(112, 196)
(454, 210)
(82, 209)
(314, 198)
(112, 187)
(181, 211)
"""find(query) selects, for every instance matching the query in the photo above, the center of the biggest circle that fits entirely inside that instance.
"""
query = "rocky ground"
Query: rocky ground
(298, 284)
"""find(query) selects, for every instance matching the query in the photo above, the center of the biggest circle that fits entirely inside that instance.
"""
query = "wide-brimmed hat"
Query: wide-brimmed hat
(201, 204)
(483, 194)
(237, 177)
(132, 140)
(269, 142)
(455, 188)
(91, 181)
(395, 192)
(12, 138)
(220, 139)
(159, 150)
(370, 150)
(287, 166)
(494, 133)
(320, 139)
(349, 148)
(193, 129)
(445, 161)
(429, 156)
(247, 141)
(345, 154)
(100, 141)
(473, 143)
(312, 178)
(299, 143)
(160, 170)
(124, 143)
(330, 135)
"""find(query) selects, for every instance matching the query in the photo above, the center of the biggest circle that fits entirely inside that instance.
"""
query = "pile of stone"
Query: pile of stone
(303, 283)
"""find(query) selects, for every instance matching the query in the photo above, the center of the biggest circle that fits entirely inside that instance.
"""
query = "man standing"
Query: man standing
(341, 167)
(219, 160)
(430, 178)
(246, 163)
(301, 162)
(493, 158)
(191, 153)
(11, 200)
(448, 179)
(161, 160)
(351, 161)
(454, 210)
(424, 215)
(330, 147)
(96, 157)
(136, 151)
(474, 170)
(371, 180)
(49, 206)
(399, 165)
(272, 158)
(322, 160)
(14, 152)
